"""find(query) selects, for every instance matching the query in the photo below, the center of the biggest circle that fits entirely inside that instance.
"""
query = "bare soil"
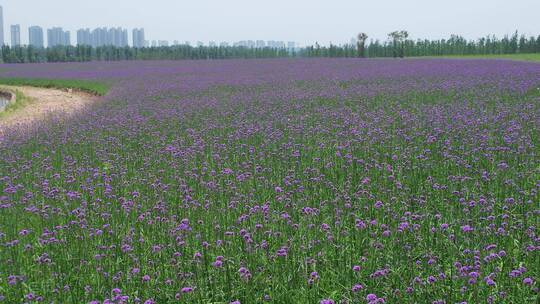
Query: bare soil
(41, 103)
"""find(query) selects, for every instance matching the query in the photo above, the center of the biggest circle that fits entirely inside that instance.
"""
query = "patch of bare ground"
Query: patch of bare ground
(40, 104)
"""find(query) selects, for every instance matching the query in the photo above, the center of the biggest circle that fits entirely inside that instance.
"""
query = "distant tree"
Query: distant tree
(361, 44)
(394, 36)
(398, 42)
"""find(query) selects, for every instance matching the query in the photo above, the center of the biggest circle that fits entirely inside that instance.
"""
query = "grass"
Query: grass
(20, 102)
(520, 57)
(93, 87)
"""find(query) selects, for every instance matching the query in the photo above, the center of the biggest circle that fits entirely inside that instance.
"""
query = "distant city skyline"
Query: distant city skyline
(116, 36)
(104, 36)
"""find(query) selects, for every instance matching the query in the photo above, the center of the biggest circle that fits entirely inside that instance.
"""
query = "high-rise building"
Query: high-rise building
(112, 37)
(99, 36)
(138, 38)
(125, 39)
(67, 38)
(163, 43)
(35, 36)
(276, 44)
(84, 37)
(103, 36)
(249, 44)
(2, 41)
(56, 36)
(52, 37)
(117, 37)
(15, 35)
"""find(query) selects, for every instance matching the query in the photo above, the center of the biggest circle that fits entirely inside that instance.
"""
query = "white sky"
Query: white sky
(302, 21)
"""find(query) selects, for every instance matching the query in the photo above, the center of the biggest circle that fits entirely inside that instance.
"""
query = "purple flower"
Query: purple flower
(357, 288)
(282, 252)
(245, 274)
(371, 297)
(466, 228)
(24, 232)
(186, 289)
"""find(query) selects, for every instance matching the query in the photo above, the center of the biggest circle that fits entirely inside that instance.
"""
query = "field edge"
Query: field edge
(88, 86)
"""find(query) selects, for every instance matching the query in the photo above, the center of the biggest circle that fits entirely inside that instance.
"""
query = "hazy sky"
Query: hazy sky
(303, 21)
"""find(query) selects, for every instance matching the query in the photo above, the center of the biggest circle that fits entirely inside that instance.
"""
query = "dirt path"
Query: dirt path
(41, 103)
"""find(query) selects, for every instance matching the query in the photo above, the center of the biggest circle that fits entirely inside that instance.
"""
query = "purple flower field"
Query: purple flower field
(278, 181)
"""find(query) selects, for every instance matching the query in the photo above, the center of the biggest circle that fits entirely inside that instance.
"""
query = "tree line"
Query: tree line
(397, 45)
(82, 53)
